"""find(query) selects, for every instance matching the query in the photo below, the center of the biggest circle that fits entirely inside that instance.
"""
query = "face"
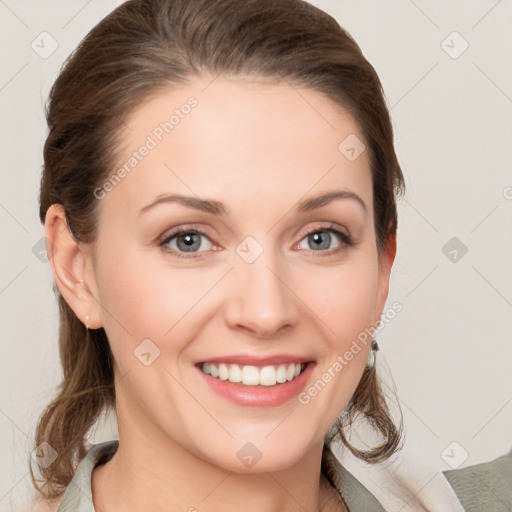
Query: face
(258, 276)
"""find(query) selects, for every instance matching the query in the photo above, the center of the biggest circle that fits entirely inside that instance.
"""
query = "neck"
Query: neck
(151, 473)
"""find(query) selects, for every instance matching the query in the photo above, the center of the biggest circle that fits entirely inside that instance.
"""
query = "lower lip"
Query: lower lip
(259, 396)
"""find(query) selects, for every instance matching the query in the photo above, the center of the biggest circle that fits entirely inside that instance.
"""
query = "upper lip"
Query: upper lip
(256, 360)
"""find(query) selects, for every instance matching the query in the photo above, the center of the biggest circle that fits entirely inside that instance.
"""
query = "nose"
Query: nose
(262, 301)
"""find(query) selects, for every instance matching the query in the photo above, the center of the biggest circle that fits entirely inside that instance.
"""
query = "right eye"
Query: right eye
(185, 241)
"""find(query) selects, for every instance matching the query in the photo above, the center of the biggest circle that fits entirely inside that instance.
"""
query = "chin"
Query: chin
(257, 456)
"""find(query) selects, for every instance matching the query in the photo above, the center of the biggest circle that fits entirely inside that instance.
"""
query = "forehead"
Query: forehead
(240, 140)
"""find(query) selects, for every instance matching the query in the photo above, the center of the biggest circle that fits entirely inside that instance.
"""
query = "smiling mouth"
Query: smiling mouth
(248, 375)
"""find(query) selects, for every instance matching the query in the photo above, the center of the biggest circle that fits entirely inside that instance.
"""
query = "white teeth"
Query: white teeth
(235, 373)
(267, 376)
(252, 375)
(223, 372)
(281, 373)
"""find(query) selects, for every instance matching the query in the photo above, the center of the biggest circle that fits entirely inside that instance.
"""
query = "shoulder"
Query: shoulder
(486, 486)
(482, 487)
(78, 494)
(46, 505)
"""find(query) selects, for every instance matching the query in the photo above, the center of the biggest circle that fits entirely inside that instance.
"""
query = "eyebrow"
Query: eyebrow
(218, 208)
(316, 202)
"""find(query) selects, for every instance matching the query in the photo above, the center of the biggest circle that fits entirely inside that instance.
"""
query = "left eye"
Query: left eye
(321, 239)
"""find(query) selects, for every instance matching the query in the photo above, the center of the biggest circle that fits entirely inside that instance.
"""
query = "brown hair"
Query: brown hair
(145, 46)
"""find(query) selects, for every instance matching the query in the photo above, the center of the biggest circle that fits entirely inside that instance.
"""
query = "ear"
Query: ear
(386, 260)
(72, 268)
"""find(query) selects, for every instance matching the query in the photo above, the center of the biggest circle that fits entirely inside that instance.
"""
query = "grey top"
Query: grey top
(485, 487)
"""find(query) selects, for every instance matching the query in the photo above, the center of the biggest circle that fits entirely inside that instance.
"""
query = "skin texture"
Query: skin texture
(260, 148)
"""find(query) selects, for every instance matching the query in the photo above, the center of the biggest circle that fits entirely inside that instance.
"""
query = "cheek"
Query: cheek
(342, 299)
(144, 300)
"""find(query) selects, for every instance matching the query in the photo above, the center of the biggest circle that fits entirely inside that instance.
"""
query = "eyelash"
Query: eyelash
(346, 240)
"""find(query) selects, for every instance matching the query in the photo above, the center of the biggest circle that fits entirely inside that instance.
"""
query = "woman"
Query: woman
(219, 199)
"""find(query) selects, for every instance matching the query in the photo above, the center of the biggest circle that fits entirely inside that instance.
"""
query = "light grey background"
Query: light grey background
(449, 350)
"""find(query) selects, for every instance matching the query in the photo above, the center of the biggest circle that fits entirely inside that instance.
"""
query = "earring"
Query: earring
(371, 355)
(87, 322)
